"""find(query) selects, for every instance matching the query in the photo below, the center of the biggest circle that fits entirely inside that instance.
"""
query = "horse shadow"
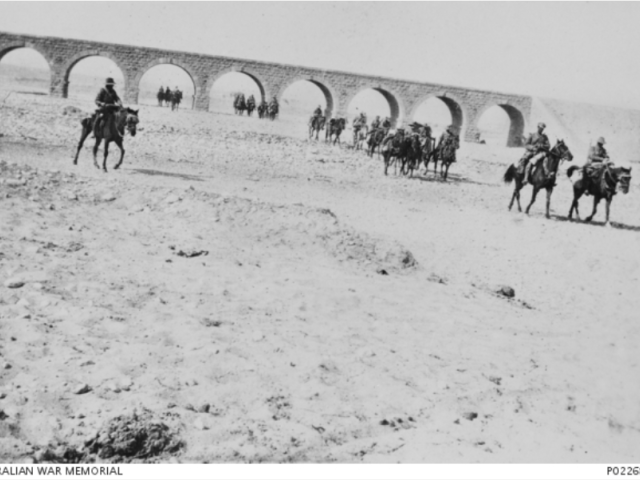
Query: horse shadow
(182, 176)
(616, 225)
(454, 178)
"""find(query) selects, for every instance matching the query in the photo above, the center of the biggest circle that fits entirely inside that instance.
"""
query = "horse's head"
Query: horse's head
(623, 176)
(131, 121)
(562, 151)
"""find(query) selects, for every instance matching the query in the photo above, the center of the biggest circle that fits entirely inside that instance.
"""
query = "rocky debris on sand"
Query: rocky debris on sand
(108, 197)
(506, 291)
(172, 199)
(191, 252)
(136, 436)
(82, 389)
(13, 283)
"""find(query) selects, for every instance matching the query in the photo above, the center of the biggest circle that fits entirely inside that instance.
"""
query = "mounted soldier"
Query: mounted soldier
(449, 141)
(107, 102)
(597, 160)
(160, 96)
(537, 146)
(167, 96)
(375, 123)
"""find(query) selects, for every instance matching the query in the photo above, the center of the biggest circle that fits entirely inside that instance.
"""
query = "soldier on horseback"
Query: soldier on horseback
(597, 160)
(376, 123)
(537, 146)
(450, 141)
(107, 101)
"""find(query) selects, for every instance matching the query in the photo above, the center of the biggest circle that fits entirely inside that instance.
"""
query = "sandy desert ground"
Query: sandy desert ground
(273, 299)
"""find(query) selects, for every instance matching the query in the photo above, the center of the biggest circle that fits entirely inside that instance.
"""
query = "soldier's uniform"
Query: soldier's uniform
(597, 159)
(317, 112)
(105, 100)
(536, 146)
(450, 141)
(376, 123)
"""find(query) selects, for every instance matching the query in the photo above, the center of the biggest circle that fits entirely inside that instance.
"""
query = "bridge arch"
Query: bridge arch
(516, 122)
(9, 47)
(220, 96)
(325, 88)
(30, 56)
(453, 104)
(73, 61)
(394, 100)
(135, 87)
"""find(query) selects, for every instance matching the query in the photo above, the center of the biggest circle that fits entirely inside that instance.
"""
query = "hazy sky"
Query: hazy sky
(576, 51)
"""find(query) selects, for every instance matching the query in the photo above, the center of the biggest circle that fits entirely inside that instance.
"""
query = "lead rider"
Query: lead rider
(107, 98)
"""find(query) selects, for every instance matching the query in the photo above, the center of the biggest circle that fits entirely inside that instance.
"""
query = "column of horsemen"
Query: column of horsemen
(538, 166)
(169, 97)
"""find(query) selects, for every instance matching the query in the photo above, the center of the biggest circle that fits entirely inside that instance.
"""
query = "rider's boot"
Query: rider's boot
(527, 173)
(94, 129)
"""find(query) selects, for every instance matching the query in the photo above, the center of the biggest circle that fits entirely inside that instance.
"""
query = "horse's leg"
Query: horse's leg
(606, 222)
(446, 172)
(513, 197)
(533, 198)
(95, 152)
(86, 130)
(106, 153)
(596, 200)
(549, 191)
(120, 145)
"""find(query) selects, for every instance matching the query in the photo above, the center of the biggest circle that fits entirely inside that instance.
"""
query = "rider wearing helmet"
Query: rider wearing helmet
(537, 145)
(106, 100)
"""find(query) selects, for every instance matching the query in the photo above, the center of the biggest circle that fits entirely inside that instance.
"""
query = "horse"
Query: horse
(393, 150)
(176, 98)
(315, 125)
(446, 154)
(360, 136)
(538, 178)
(251, 105)
(273, 111)
(427, 144)
(111, 129)
(412, 155)
(167, 97)
(239, 104)
(375, 139)
(262, 110)
(604, 187)
(160, 96)
(335, 127)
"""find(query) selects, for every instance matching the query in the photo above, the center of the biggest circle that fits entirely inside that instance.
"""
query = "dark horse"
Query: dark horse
(604, 186)
(272, 112)
(412, 155)
(376, 137)
(538, 178)
(393, 151)
(335, 127)
(112, 129)
(239, 104)
(251, 105)
(315, 125)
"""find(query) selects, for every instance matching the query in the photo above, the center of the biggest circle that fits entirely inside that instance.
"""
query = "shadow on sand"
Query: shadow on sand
(146, 171)
(452, 178)
(619, 226)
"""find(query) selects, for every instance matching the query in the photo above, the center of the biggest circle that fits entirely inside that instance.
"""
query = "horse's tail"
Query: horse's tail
(510, 174)
(572, 169)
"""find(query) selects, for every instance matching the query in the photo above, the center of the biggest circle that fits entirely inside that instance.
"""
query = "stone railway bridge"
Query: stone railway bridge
(339, 88)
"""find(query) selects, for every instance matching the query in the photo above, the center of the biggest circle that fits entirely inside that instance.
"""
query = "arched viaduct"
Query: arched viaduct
(339, 88)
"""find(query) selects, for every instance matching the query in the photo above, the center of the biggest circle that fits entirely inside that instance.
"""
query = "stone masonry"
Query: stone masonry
(339, 88)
